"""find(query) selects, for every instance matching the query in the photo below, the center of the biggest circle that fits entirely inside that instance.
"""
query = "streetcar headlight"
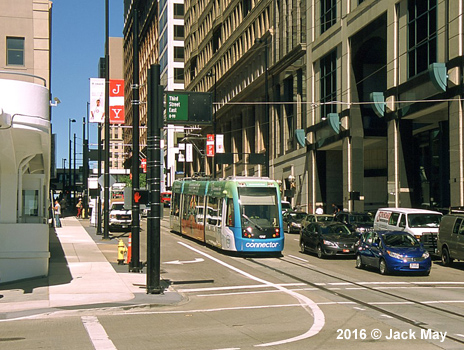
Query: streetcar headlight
(276, 233)
(248, 232)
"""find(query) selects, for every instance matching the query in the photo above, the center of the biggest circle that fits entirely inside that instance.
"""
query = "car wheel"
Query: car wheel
(445, 257)
(302, 247)
(320, 253)
(359, 263)
(383, 267)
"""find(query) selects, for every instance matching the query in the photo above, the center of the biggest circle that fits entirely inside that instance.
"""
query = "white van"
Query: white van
(422, 224)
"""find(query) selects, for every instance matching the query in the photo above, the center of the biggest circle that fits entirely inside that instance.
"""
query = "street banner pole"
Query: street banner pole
(135, 265)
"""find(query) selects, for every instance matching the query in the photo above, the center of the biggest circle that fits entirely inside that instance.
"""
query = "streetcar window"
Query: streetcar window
(200, 210)
(213, 215)
(260, 204)
(230, 212)
(175, 204)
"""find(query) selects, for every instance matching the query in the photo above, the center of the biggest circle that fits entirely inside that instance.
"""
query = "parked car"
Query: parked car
(120, 218)
(451, 237)
(285, 206)
(393, 251)
(356, 222)
(422, 224)
(292, 220)
(316, 218)
(327, 239)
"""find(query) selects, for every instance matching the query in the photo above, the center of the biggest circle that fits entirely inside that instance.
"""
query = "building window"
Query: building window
(328, 14)
(178, 32)
(422, 31)
(14, 51)
(328, 83)
(179, 53)
(179, 11)
(246, 7)
(178, 75)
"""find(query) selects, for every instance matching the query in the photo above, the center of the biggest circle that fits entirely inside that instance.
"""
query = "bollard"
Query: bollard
(122, 250)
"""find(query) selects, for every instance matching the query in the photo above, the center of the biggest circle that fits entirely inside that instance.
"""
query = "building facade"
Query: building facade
(385, 80)
(251, 55)
(25, 139)
(354, 103)
(117, 152)
(172, 75)
(362, 97)
(147, 34)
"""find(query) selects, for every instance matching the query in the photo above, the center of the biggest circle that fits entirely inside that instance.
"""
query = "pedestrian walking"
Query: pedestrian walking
(79, 207)
(57, 212)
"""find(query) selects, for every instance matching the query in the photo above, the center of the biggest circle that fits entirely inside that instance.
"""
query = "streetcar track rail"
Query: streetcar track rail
(338, 293)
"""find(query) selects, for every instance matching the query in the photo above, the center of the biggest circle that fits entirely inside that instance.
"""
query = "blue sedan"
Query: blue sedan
(393, 251)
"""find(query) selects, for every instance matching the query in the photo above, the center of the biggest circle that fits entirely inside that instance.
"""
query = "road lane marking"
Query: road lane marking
(310, 306)
(235, 287)
(97, 333)
(255, 292)
(298, 258)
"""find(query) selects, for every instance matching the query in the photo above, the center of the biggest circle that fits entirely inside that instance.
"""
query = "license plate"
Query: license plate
(414, 266)
(346, 250)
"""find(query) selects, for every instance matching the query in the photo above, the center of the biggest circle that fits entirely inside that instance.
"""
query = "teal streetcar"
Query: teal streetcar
(240, 214)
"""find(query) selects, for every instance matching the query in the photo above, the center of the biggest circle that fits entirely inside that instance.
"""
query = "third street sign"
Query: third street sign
(189, 108)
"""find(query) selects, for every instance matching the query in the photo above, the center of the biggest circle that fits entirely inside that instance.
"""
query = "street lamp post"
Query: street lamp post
(74, 169)
(70, 120)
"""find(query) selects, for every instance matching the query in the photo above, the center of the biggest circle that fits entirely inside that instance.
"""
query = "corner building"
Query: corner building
(363, 101)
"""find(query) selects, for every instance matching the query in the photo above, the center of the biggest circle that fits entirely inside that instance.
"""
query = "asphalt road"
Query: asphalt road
(294, 302)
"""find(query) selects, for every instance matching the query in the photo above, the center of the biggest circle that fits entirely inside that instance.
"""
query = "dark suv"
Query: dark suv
(356, 222)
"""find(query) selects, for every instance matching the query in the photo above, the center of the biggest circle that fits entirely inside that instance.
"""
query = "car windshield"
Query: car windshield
(286, 205)
(361, 218)
(338, 230)
(296, 216)
(424, 220)
(324, 218)
(400, 240)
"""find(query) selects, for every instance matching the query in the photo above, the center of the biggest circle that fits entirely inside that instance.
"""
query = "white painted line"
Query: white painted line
(460, 335)
(310, 306)
(251, 286)
(97, 333)
(297, 258)
(247, 293)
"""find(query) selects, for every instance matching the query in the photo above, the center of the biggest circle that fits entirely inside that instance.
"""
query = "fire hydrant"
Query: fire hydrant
(122, 251)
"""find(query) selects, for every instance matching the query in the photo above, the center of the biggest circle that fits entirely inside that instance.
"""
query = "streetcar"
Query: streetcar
(236, 214)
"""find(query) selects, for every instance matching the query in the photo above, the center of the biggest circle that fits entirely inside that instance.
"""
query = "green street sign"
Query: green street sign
(177, 107)
(189, 108)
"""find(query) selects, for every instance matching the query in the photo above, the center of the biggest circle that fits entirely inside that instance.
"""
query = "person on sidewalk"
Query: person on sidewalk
(79, 208)
(57, 212)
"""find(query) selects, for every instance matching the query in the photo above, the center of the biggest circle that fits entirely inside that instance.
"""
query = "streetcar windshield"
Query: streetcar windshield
(259, 205)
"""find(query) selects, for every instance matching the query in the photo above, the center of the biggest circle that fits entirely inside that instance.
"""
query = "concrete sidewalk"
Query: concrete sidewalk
(79, 277)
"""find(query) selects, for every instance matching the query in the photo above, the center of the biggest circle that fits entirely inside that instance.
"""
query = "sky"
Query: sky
(78, 42)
